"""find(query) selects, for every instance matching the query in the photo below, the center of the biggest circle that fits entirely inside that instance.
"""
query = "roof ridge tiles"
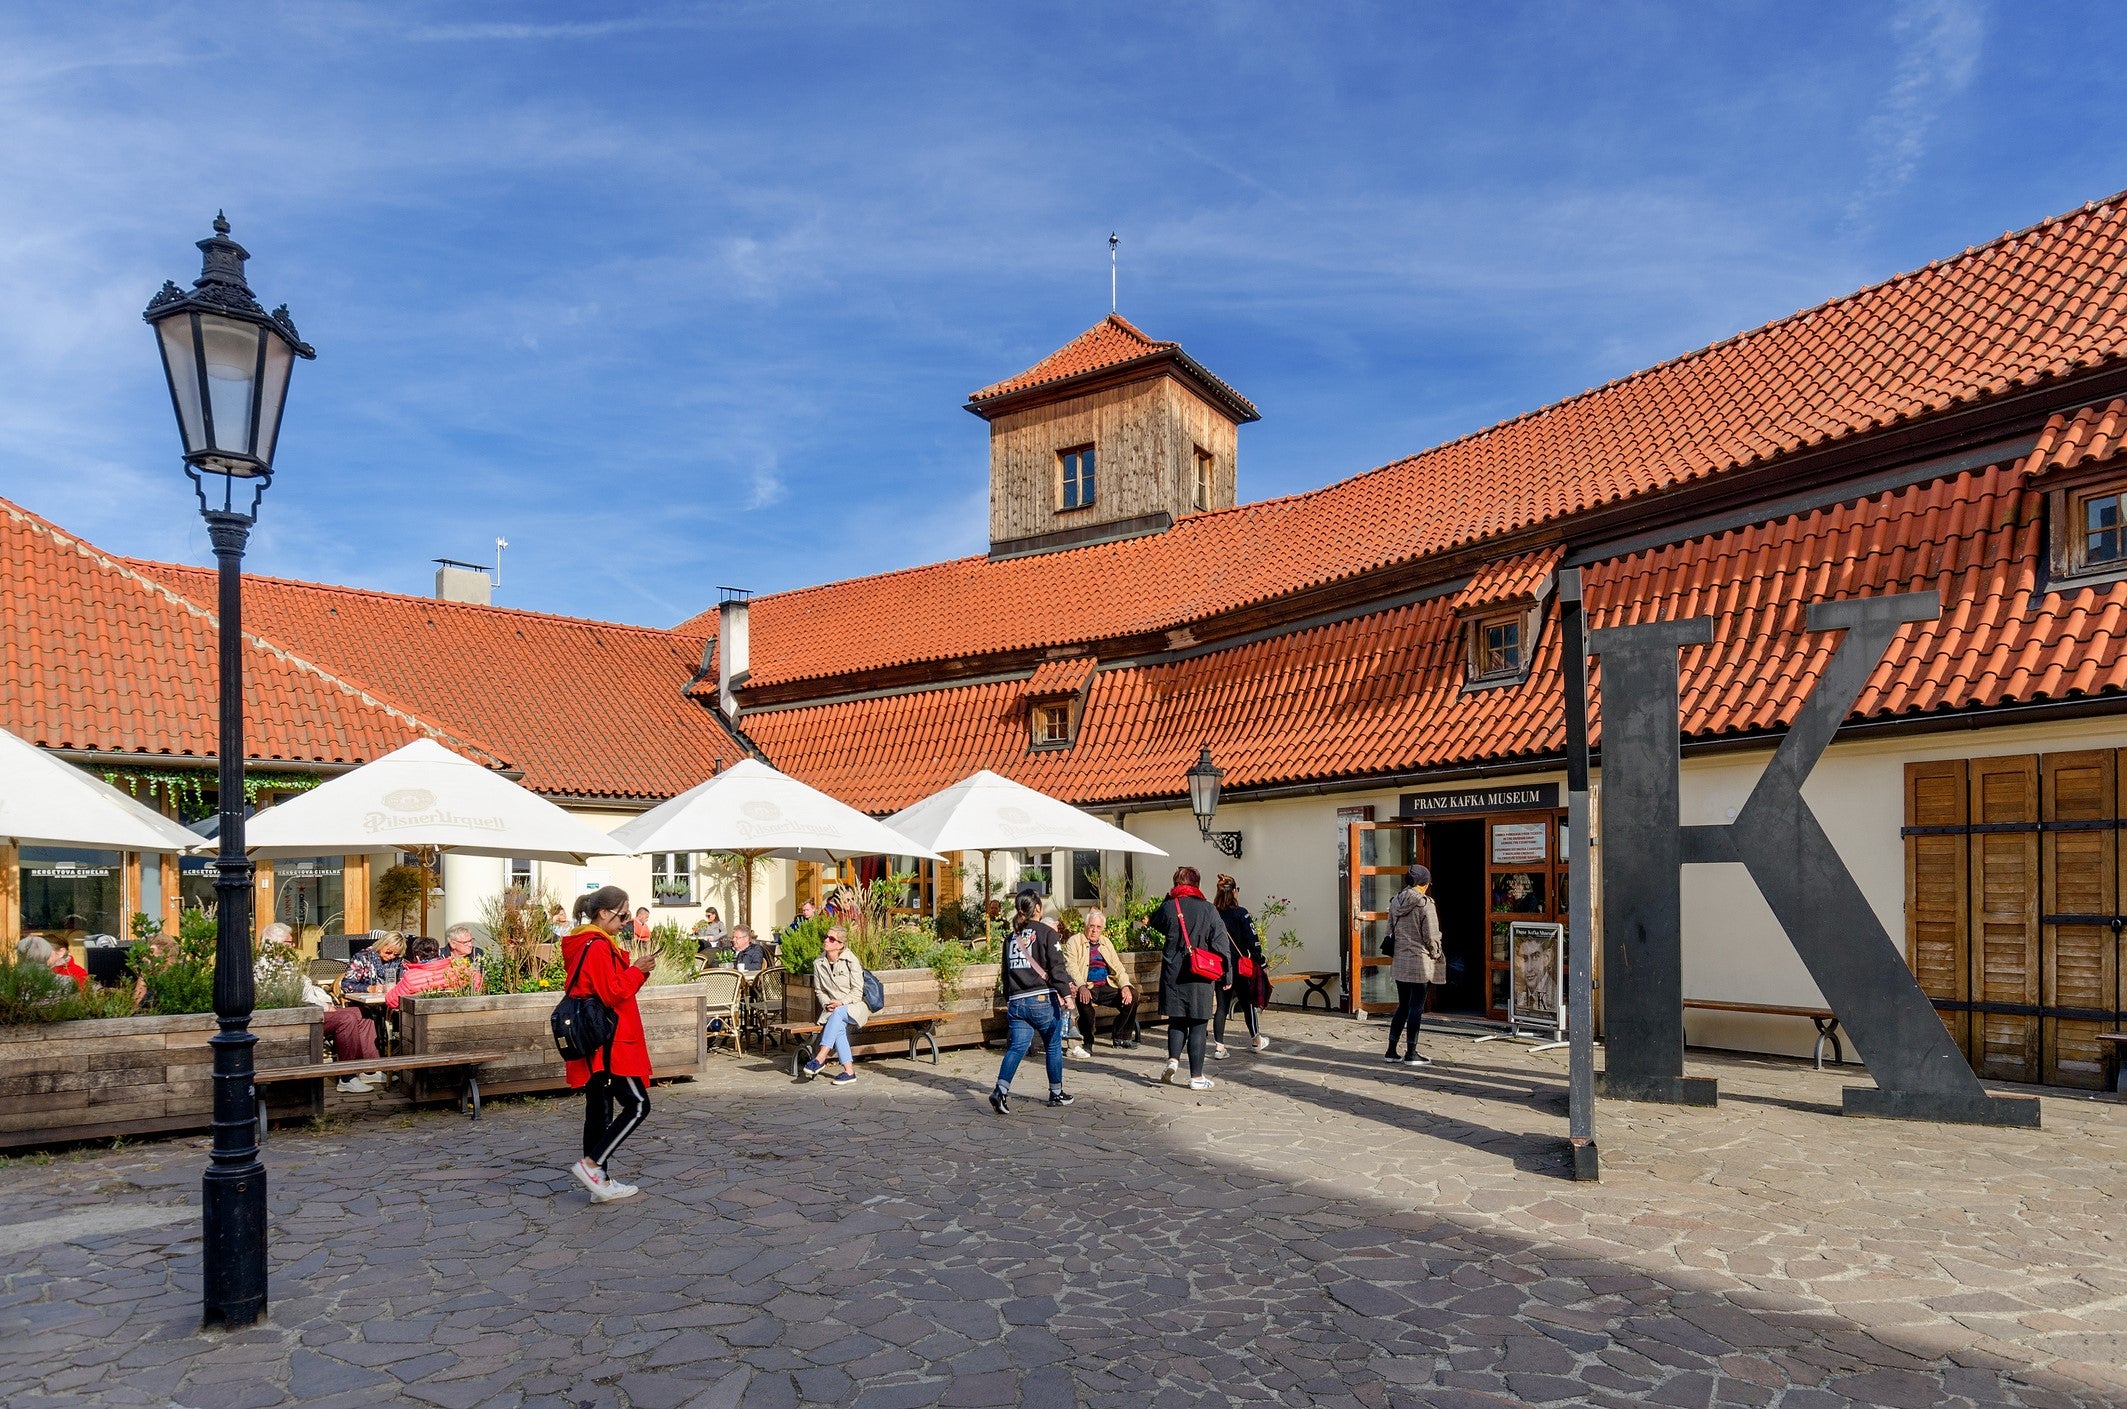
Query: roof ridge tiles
(153, 565)
(124, 569)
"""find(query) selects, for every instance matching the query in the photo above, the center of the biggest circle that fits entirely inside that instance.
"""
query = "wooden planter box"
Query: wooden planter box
(101, 1077)
(675, 1020)
(915, 990)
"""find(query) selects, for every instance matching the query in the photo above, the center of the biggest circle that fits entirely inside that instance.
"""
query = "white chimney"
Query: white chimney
(733, 656)
(463, 582)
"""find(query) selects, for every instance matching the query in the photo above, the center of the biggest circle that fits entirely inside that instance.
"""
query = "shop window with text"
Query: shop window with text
(1496, 648)
(1206, 466)
(1074, 478)
(1052, 724)
(672, 877)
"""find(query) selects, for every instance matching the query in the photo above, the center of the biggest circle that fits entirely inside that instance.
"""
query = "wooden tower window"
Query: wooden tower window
(1074, 478)
(1206, 463)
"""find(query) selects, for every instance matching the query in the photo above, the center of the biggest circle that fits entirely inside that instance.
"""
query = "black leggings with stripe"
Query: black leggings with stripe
(613, 1107)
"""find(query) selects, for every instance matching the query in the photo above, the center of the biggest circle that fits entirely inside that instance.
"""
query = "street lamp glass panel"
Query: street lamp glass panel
(181, 363)
(273, 394)
(231, 349)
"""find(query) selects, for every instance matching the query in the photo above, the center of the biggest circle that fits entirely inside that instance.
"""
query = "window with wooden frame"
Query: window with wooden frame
(1051, 723)
(1206, 467)
(672, 877)
(2089, 528)
(1496, 647)
(1074, 478)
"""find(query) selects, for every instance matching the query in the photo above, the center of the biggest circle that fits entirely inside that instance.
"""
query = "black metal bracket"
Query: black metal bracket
(227, 510)
(1225, 843)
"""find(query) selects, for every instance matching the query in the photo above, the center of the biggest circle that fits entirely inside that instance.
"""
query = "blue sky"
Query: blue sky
(674, 297)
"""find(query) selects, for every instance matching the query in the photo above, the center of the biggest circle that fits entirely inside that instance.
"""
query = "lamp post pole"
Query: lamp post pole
(233, 1194)
(227, 361)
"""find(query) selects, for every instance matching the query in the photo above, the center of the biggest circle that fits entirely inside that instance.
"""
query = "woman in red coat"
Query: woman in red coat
(615, 1082)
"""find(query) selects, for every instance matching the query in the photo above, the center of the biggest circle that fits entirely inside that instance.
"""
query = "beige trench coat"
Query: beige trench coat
(1416, 925)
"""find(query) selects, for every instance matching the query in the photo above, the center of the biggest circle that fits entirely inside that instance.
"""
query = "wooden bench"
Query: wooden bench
(1317, 981)
(318, 1073)
(2115, 1048)
(1827, 1022)
(923, 1027)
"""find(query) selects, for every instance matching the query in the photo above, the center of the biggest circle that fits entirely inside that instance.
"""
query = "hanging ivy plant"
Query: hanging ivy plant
(187, 787)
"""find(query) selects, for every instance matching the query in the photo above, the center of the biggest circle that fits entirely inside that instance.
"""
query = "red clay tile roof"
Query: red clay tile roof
(1111, 343)
(1060, 677)
(2091, 436)
(1382, 694)
(510, 676)
(2026, 309)
(1523, 577)
(96, 657)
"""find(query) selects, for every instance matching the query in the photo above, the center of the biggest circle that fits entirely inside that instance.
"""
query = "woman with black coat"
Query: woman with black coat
(1250, 991)
(1188, 999)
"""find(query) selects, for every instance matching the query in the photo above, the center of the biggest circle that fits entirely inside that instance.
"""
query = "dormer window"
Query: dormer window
(1051, 720)
(1074, 478)
(2097, 515)
(2089, 531)
(1496, 648)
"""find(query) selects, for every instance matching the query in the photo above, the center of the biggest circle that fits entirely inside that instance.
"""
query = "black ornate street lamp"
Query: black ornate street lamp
(227, 360)
(1204, 781)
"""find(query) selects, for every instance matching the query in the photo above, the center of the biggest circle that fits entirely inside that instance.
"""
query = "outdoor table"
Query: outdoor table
(372, 1005)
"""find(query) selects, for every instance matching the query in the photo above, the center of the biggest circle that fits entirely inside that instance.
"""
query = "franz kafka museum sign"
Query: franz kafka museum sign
(1527, 797)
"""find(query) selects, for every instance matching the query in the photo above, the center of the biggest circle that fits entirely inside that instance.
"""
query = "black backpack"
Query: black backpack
(583, 1025)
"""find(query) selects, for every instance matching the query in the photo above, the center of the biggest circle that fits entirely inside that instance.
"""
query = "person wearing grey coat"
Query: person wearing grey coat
(1419, 961)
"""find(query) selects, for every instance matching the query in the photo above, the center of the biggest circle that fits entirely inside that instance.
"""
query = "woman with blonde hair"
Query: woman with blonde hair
(838, 984)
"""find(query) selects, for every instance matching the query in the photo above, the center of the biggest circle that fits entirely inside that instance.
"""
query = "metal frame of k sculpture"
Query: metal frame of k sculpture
(1919, 1073)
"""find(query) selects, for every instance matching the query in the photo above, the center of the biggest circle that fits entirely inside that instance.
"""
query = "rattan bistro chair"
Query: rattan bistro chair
(722, 1008)
(762, 1006)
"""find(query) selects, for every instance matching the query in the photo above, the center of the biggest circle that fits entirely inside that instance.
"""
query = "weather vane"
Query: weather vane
(1112, 242)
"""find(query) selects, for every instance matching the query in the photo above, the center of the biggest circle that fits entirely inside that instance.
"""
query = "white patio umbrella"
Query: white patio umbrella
(752, 810)
(423, 795)
(47, 802)
(987, 812)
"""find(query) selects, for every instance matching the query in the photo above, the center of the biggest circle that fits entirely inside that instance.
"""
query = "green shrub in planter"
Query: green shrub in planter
(31, 993)
(802, 944)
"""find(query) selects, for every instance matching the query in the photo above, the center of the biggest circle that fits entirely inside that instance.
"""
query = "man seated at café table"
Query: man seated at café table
(428, 967)
(458, 943)
(376, 968)
(747, 953)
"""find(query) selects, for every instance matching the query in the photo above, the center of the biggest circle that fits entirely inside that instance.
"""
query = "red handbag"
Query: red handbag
(1204, 963)
(1246, 965)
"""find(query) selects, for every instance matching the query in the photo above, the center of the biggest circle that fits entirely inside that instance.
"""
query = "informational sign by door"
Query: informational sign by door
(1514, 842)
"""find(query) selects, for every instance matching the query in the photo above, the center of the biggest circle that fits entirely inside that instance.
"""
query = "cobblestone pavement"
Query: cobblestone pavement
(1320, 1229)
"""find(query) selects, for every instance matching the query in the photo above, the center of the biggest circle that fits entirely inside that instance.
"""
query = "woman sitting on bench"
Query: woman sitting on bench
(838, 982)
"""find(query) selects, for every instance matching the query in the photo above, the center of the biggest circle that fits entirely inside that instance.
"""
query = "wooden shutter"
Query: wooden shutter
(2081, 849)
(2006, 968)
(1937, 892)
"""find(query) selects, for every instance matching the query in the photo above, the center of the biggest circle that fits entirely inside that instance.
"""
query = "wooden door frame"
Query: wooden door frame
(1356, 962)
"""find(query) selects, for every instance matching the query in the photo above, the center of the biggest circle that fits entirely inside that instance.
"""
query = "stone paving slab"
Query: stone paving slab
(1321, 1229)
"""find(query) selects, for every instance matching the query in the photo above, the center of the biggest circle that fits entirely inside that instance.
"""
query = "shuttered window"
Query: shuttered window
(2013, 923)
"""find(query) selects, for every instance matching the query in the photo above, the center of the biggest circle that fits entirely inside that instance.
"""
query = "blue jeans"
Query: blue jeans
(1031, 1015)
(834, 1032)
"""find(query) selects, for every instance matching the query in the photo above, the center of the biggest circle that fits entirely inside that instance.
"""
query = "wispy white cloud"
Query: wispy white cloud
(1938, 46)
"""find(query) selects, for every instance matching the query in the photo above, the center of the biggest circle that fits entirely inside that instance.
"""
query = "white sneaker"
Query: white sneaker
(374, 1078)
(1199, 1083)
(1262, 1043)
(1415, 1060)
(1080, 1051)
(355, 1085)
(589, 1175)
(1218, 1050)
(613, 1189)
(1172, 1075)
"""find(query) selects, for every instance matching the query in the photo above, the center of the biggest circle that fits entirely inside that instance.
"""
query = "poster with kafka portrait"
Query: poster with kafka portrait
(1536, 998)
